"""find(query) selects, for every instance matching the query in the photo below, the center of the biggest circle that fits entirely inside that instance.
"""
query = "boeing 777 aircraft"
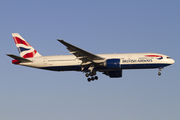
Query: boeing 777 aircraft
(81, 60)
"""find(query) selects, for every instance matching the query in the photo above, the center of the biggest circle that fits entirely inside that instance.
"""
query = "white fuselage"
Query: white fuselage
(84, 61)
(127, 61)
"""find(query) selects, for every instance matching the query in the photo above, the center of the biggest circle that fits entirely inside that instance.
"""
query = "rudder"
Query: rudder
(24, 48)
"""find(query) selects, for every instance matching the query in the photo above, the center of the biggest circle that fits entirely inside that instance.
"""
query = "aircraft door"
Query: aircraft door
(45, 61)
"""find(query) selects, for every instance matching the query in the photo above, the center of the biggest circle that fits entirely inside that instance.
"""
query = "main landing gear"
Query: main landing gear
(160, 69)
(91, 78)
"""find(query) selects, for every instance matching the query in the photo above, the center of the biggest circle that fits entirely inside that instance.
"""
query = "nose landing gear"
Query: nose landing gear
(160, 69)
(159, 73)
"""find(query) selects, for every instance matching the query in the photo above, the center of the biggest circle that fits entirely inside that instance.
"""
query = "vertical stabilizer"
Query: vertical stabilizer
(24, 48)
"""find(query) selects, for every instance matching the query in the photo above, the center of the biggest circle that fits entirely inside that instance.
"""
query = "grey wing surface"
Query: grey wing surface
(80, 53)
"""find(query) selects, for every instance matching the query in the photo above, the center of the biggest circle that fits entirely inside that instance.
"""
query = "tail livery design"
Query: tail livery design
(24, 48)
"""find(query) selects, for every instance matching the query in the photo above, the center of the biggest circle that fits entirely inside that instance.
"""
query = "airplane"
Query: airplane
(84, 61)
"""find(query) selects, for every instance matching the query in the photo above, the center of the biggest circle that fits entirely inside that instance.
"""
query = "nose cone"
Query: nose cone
(171, 61)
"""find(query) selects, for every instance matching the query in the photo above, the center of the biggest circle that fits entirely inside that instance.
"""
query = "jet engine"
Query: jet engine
(114, 74)
(112, 64)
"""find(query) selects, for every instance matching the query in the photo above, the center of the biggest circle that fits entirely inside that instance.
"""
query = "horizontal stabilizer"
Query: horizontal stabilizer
(18, 58)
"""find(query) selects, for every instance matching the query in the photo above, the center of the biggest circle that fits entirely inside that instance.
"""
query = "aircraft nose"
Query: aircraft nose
(173, 61)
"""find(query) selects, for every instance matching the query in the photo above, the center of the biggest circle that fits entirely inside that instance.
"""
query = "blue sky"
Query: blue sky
(98, 26)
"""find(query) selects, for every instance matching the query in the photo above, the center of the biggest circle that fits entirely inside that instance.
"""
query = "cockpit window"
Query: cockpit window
(168, 57)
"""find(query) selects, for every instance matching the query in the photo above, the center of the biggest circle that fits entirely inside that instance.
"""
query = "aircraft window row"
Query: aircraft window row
(168, 57)
(60, 60)
(146, 58)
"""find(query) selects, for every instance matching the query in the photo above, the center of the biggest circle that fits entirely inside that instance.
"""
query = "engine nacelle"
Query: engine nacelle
(114, 74)
(112, 63)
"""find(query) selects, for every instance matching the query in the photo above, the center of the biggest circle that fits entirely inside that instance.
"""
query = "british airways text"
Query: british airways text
(139, 60)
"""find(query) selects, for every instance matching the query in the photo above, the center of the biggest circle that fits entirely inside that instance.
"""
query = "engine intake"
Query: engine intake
(112, 63)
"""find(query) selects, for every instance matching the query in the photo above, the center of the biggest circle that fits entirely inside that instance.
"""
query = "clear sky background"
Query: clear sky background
(98, 26)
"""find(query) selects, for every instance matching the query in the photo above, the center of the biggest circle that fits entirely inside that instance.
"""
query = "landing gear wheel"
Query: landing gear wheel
(159, 73)
(96, 77)
(92, 78)
(87, 75)
(160, 69)
(89, 79)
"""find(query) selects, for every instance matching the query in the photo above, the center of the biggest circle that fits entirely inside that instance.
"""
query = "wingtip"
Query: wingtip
(8, 54)
(60, 40)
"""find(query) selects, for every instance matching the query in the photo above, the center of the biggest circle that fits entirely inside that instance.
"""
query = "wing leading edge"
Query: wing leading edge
(81, 54)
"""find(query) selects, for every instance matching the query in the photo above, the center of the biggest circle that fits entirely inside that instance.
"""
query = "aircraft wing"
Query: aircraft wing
(80, 53)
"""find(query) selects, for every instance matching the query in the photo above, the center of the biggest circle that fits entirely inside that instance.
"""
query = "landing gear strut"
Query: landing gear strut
(160, 69)
(91, 72)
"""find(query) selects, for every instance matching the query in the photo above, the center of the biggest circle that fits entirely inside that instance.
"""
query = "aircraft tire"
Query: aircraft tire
(89, 79)
(159, 73)
(87, 75)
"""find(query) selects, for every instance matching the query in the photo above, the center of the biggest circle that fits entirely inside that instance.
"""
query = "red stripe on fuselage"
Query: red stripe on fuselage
(30, 55)
(20, 41)
(153, 55)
